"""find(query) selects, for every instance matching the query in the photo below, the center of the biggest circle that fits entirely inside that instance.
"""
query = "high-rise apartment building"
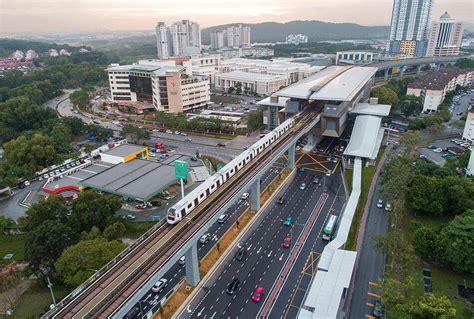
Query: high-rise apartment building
(218, 39)
(445, 37)
(238, 36)
(163, 43)
(185, 34)
(409, 27)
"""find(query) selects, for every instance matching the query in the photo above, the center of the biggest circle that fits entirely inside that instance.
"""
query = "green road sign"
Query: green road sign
(181, 169)
(219, 166)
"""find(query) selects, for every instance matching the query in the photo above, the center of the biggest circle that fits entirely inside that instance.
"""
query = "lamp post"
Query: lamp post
(50, 286)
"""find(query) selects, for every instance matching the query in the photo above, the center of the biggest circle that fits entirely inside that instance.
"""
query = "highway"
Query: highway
(265, 257)
(176, 273)
(106, 294)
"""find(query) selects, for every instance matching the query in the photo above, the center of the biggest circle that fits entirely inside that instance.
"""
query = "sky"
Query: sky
(66, 16)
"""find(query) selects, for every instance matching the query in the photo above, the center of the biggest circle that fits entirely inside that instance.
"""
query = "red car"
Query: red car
(162, 130)
(286, 242)
(258, 294)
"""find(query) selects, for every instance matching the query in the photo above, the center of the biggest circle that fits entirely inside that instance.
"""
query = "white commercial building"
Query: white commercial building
(445, 37)
(409, 27)
(296, 38)
(433, 86)
(170, 88)
(468, 133)
(470, 165)
(263, 84)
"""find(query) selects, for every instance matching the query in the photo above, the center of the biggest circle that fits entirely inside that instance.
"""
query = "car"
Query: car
(68, 166)
(130, 217)
(315, 180)
(194, 159)
(240, 254)
(62, 169)
(188, 139)
(465, 145)
(155, 130)
(281, 200)
(45, 176)
(288, 220)
(286, 242)
(377, 312)
(160, 285)
(184, 134)
(388, 207)
(298, 148)
(177, 132)
(328, 173)
(182, 260)
(303, 186)
(244, 196)
(432, 147)
(205, 238)
(57, 172)
(169, 131)
(233, 286)
(222, 218)
(438, 150)
(141, 206)
(162, 130)
(459, 113)
(133, 313)
(301, 169)
(221, 144)
(334, 160)
(155, 203)
(258, 294)
(380, 203)
(51, 174)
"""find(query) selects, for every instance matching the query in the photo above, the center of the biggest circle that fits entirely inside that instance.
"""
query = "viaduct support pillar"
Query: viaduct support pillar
(402, 71)
(418, 69)
(386, 74)
(291, 156)
(255, 195)
(192, 266)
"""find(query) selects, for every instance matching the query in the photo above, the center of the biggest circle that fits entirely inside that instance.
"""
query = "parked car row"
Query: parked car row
(162, 130)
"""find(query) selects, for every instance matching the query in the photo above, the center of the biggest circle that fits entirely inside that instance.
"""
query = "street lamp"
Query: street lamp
(50, 286)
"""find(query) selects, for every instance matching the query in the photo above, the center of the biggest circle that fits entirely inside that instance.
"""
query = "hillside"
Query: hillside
(315, 30)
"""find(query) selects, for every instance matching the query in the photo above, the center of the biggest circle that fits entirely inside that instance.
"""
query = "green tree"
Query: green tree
(255, 120)
(45, 243)
(465, 63)
(385, 95)
(231, 90)
(397, 176)
(134, 134)
(75, 124)
(431, 307)
(91, 209)
(460, 247)
(238, 87)
(458, 193)
(79, 262)
(425, 196)
(79, 98)
(411, 105)
(114, 231)
(53, 209)
(429, 244)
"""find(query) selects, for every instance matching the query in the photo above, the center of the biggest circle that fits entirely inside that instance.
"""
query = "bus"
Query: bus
(329, 229)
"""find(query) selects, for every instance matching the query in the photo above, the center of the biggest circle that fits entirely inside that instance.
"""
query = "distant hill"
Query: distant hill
(315, 30)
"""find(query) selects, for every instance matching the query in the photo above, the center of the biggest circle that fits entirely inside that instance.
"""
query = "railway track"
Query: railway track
(105, 295)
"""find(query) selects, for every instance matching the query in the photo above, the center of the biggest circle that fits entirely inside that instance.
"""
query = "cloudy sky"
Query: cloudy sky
(34, 16)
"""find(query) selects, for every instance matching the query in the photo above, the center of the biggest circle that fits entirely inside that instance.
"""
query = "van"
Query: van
(233, 286)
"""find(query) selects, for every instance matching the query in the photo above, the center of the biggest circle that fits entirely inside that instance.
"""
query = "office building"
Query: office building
(296, 39)
(445, 37)
(468, 133)
(185, 35)
(263, 84)
(409, 27)
(433, 86)
(163, 43)
(170, 88)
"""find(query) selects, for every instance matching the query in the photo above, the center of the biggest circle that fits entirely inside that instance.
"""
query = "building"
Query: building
(124, 153)
(218, 39)
(354, 57)
(17, 55)
(185, 34)
(64, 52)
(170, 88)
(433, 86)
(238, 36)
(30, 55)
(468, 133)
(163, 43)
(263, 84)
(409, 27)
(445, 37)
(251, 52)
(83, 50)
(53, 53)
(296, 39)
(470, 165)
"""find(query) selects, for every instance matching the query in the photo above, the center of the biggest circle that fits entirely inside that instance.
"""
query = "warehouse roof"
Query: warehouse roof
(124, 150)
(246, 76)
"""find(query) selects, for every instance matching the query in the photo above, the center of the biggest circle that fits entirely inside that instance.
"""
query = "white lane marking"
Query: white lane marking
(281, 258)
(258, 251)
(270, 253)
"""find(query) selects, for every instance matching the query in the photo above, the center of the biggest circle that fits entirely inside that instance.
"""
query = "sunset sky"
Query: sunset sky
(34, 16)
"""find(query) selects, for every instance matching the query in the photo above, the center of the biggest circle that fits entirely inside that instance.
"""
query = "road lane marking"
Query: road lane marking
(374, 284)
(373, 295)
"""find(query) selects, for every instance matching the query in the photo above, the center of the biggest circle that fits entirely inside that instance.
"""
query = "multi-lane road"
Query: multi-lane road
(267, 263)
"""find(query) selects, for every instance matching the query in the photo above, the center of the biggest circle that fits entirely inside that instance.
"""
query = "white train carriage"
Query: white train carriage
(182, 208)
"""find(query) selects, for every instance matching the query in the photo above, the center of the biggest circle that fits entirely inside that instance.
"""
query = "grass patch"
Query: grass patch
(12, 244)
(348, 174)
(224, 99)
(36, 300)
(134, 230)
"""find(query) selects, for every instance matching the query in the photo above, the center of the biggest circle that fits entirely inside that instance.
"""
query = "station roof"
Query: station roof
(304, 88)
(366, 137)
(124, 150)
(268, 102)
(371, 109)
(138, 179)
(247, 76)
(346, 85)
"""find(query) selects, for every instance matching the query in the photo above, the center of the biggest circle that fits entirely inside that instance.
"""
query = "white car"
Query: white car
(184, 134)
(388, 207)
(244, 196)
(182, 260)
(177, 132)
(303, 186)
(160, 285)
(169, 131)
(380, 203)
(438, 150)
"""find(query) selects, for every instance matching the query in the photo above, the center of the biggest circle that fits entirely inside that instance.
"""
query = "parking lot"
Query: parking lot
(461, 104)
(438, 151)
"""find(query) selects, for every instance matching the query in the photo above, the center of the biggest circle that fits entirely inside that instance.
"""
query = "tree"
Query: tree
(75, 124)
(134, 134)
(53, 209)
(385, 95)
(425, 196)
(397, 176)
(45, 243)
(238, 87)
(429, 244)
(79, 98)
(114, 231)
(91, 209)
(255, 120)
(79, 262)
(410, 141)
(465, 63)
(231, 90)
(411, 105)
(458, 193)
(430, 306)
(460, 247)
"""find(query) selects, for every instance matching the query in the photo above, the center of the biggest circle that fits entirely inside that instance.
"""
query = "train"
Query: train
(186, 205)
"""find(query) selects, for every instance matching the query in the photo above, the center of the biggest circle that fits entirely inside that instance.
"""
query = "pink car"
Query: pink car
(258, 294)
